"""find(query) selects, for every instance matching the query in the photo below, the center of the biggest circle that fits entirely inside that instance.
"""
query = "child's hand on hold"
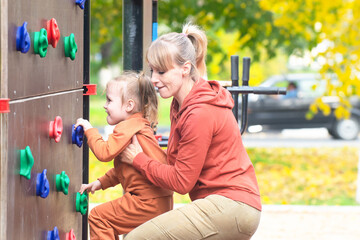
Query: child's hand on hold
(84, 123)
(91, 187)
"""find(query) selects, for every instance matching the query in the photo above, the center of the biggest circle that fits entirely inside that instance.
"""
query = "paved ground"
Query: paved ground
(289, 222)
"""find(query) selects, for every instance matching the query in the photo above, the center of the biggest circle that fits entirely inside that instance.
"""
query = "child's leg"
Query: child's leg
(214, 217)
(123, 215)
(100, 223)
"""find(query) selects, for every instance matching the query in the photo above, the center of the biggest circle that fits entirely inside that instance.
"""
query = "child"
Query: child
(131, 105)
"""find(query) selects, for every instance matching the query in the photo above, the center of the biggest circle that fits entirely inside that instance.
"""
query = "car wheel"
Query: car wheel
(346, 129)
(330, 131)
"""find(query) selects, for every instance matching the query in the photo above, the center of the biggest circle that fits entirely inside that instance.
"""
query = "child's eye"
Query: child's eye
(161, 73)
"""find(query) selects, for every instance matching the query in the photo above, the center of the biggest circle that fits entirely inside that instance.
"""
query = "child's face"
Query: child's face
(114, 107)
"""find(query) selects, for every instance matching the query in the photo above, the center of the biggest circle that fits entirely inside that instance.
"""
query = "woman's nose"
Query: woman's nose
(154, 80)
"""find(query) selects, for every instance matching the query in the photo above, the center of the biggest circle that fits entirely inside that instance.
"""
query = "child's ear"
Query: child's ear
(130, 105)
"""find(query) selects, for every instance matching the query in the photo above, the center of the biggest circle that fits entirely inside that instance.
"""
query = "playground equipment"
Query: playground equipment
(44, 69)
(44, 88)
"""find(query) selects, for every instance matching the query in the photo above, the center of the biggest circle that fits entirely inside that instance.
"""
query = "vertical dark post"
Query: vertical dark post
(246, 71)
(86, 105)
(244, 102)
(235, 83)
(133, 34)
(154, 20)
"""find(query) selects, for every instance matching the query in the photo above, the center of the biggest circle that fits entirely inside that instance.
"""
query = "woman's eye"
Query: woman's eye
(161, 73)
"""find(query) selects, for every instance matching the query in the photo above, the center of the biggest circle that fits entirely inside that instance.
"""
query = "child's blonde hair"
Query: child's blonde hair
(137, 86)
(177, 48)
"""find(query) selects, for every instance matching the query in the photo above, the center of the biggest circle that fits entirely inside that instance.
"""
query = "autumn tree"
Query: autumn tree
(335, 25)
(261, 28)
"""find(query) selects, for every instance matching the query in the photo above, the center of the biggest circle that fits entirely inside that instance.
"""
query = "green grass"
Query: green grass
(295, 176)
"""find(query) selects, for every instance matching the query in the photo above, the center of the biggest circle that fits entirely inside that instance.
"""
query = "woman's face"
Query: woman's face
(169, 83)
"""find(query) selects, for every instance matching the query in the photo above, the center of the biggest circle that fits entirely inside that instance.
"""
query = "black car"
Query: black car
(289, 112)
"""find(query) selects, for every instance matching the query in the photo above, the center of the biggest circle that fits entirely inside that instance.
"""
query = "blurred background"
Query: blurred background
(318, 37)
(296, 151)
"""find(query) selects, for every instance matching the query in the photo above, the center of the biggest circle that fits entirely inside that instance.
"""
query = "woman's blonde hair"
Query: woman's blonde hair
(177, 48)
(138, 87)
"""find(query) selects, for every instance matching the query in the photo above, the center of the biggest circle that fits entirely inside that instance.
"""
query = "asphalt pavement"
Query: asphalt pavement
(317, 137)
(289, 222)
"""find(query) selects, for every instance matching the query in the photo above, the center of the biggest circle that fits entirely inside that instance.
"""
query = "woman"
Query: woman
(206, 157)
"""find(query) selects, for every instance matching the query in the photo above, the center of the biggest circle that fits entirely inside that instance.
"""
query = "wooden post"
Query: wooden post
(3, 117)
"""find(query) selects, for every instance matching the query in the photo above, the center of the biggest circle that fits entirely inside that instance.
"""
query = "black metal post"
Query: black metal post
(244, 102)
(133, 35)
(235, 82)
(154, 20)
(86, 106)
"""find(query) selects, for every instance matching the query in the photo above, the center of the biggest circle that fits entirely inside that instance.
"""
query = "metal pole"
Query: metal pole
(154, 20)
(86, 106)
(133, 35)
(235, 82)
(244, 102)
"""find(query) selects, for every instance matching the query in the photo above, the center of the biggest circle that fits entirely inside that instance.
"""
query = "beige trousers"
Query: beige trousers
(214, 217)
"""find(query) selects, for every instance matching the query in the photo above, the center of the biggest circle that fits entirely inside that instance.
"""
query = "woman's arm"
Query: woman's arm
(192, 149)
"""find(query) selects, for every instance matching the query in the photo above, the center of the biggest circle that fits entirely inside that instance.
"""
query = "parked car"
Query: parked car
(279, 112)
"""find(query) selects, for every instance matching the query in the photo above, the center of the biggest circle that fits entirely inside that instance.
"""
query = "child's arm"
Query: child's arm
(110, 179)
(91, 187)
(117, 141)
(84, 123)
(106, 151)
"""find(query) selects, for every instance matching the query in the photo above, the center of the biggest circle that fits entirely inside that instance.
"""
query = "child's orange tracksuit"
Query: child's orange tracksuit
(142, 200)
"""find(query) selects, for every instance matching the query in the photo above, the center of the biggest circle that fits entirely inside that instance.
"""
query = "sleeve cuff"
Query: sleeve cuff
(91, 131)
(140, 161)
(102, 181)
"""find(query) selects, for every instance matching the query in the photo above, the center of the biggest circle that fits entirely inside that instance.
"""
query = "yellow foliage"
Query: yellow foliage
(338, 23)
(306, 175)
(309, 176)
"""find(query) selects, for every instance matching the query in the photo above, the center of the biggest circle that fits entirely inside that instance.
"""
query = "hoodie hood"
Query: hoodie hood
(204, 92)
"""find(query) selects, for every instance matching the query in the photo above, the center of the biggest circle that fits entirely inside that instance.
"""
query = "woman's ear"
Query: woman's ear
(186, 68)
(130, 105)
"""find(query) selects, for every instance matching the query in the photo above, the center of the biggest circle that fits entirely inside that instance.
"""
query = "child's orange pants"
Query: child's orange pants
(122, 215)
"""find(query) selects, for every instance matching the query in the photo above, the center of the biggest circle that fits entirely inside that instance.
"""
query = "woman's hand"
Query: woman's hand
(134, 148)
(84, 123)
(91, 187)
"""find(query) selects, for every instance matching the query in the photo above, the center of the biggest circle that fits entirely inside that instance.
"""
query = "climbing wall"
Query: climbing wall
(41, 98)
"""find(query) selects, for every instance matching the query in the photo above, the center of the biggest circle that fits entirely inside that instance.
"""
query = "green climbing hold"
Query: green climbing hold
(70, 46)
(26, 162)
(62, 182)
(41, 42)
(82, 202)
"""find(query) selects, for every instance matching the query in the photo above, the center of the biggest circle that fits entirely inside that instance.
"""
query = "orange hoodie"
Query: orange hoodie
(205, 151)
(130, 179)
